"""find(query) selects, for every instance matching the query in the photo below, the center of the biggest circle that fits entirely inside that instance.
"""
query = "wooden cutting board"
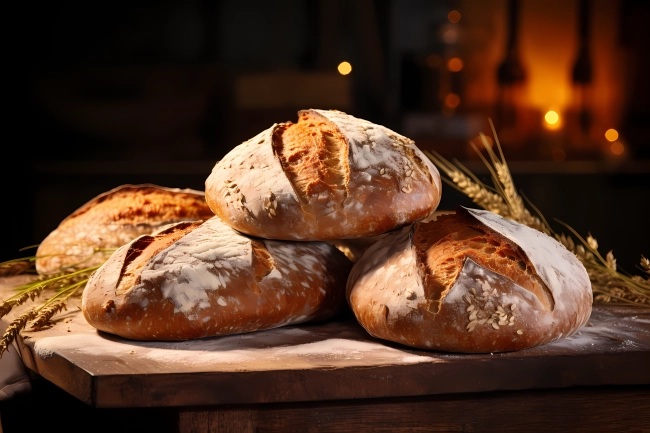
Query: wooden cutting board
(332, 360)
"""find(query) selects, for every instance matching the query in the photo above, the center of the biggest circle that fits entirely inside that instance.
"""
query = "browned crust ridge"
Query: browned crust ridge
(112, 219)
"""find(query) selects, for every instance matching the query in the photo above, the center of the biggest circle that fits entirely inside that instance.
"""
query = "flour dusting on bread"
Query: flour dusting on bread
(196, 280)
(560, 269)
(459, 284)
(204, 260)
(329, 176)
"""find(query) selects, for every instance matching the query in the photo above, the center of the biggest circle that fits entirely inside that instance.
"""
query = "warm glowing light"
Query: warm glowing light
(611, 135)
(453, 16)
(433, 61)
(552, 117)
(450, 36)
(452, 100)
(344, 68)
(455, 64)
(617, 148)
(558, 155)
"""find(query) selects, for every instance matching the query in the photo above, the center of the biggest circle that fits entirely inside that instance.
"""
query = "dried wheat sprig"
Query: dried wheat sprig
(478, 192)
(41, 315)
(33, 289)
(502, 177)
(21, 259)
(32, 259)
(67, 284)
(25, 292)
(55, 304)
(72, 266)
(609, 287)
(608, 284)
(607, 266)
(45, 315)
(14, 329)
(8, 305)
(645, 265)
(18, 266)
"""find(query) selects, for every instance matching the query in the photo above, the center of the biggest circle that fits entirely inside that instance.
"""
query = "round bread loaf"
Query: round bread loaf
(329, 176)
(193, 280)
(112, 219)
(469, 282)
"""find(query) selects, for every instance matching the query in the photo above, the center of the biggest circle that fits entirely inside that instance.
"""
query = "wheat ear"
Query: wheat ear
(607, 283)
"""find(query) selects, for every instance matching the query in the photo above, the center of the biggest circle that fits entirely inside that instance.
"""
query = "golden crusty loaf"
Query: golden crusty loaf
(114, 218)
(193, 280)
(329, 176)
(469, 282)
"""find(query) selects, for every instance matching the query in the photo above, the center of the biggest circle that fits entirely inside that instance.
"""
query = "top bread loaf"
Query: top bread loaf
(329, 176)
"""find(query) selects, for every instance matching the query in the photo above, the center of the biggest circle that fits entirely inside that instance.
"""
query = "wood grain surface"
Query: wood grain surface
(604, 409)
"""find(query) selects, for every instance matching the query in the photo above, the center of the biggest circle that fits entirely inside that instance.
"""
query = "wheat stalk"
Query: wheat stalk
(33, 289)
(40, 316)
(66, 284)
(54, 305)
(14, 329)
(608, 284)
(469, 185)
(66, 274)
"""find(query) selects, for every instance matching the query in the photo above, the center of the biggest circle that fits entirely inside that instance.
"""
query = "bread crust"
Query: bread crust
(387, 182)
(114, 218)
(450, 295)
(195, 280)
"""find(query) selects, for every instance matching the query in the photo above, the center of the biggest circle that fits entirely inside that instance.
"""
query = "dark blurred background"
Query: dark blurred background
(156, 92)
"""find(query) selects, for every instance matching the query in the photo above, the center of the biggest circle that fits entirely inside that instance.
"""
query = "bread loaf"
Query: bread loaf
(194, 280)
(469, 282)
(112, 219)
(330, 176)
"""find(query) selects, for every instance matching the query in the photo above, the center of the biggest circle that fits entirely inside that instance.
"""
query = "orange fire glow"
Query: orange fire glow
(611, 135)
(617, 148)
(453, 16)
(552, 119)
(455, 64)
(452, 100)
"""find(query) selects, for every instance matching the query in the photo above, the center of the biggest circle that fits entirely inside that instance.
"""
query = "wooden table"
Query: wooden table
(334, 377)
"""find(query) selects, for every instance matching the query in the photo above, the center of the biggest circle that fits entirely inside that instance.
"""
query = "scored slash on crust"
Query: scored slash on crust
(485, 308)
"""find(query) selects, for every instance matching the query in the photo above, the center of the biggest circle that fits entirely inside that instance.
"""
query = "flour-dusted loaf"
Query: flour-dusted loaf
(469, 282)
(329, 176)
(193, 280)
(114, 218)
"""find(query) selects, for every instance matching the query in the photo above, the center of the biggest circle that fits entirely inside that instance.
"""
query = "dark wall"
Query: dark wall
(107, 93)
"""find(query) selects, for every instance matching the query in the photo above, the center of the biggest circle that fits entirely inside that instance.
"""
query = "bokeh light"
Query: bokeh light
(552, 117)
(558, 155)
(453, 16)
(455, 64)
(617, 148)
(452, 100)
(450, 35)
(344, 68)
(611, 135)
